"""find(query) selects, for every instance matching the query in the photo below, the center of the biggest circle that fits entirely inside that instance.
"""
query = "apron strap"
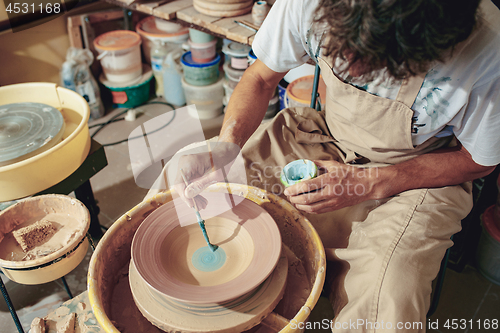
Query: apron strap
(410, 88)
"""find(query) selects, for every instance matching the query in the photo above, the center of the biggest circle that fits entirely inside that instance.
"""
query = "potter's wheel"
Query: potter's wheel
(235, 286)
(27, 129)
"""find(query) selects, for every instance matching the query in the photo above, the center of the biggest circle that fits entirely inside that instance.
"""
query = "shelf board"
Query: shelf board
(148, 7)
(183, 12)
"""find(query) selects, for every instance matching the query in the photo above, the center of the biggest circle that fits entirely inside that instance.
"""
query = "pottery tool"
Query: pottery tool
(201, 222)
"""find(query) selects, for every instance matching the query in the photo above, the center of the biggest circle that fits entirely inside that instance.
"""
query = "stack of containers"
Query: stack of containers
(161, 40)
(237, 59)
(123, 72)
(202, 83)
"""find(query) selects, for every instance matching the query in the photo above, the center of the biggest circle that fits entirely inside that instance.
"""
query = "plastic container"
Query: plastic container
(299, 92)
(203, 52)
(488, 251)
(120, 55)
(228, 91)
(272, 108)
(208, 99)
(233, 76)
(172, 78)
(282, 93)
(251, 57)
(149, 32)
(292, 75)
(237, 54)
(159, 51)
(128, 95)
(200, 74)
(77, 76)
(298, 72)
(200, 37)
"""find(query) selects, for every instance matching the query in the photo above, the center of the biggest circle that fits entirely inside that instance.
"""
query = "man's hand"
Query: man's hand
(203, 169)
(346, 185)
(338, 186)
(192, 167)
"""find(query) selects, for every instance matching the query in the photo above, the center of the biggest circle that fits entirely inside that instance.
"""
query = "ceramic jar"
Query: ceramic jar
(259, 12)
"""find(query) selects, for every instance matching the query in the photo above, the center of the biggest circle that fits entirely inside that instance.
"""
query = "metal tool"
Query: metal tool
(246, 25)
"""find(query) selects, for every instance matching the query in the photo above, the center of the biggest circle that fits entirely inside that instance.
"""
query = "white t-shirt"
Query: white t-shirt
(460, 96)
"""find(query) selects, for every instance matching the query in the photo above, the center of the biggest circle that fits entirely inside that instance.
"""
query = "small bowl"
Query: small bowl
(73, 221)
(297, 171)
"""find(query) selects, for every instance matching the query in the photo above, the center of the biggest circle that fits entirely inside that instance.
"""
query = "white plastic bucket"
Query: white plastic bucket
(299, 92)
(238, 54)
(203, 52)
(208, 99)
(233, 75)
(150, 32)
(251, 57)
(120, 55)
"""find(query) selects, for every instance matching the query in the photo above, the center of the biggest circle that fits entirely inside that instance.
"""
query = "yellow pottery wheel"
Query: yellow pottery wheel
(39, 172)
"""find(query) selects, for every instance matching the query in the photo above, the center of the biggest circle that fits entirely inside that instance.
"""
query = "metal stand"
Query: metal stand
(13, 312)
(85, 194)
(79, 183)
(66, 287)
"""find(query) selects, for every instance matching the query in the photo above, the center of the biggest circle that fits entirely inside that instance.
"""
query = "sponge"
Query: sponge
(33, 235)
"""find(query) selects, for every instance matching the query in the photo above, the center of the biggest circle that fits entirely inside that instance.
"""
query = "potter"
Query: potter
(398, 101)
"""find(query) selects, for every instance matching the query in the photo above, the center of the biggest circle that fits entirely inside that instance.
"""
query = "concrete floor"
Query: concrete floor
(466, 296)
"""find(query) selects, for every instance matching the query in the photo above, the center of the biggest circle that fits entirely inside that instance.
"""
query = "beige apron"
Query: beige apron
(383, 254)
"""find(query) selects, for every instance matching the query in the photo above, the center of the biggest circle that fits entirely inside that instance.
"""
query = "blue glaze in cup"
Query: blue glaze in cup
(298, 171)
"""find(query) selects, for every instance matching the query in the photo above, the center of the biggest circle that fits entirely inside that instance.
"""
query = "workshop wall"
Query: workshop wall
(37, 54)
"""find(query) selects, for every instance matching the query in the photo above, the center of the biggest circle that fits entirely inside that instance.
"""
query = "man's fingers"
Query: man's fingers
(304, 186)
(196, 187)
(201, 202)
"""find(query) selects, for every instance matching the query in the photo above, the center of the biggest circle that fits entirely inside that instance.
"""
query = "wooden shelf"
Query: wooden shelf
(183, 12)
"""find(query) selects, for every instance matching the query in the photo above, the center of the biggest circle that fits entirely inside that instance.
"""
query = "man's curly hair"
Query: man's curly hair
(404, 36)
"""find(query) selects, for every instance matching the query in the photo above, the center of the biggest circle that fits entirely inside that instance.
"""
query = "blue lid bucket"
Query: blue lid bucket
(200, 74)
